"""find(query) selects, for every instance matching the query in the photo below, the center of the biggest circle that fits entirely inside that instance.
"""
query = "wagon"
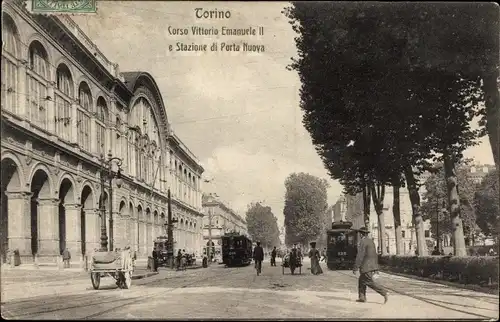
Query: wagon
(285, 263)
(118, 265)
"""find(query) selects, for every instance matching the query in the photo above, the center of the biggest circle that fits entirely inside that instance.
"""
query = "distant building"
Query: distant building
(479, 171)
(219, 219)
(354, 213)
(339, 209)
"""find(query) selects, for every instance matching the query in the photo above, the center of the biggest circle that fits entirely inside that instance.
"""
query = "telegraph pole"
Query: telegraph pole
(209, 248)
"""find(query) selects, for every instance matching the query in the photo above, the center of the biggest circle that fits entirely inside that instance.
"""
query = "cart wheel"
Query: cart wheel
(127, 280)
(96, 280)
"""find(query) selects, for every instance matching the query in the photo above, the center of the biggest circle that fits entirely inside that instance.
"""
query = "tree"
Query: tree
(487, 205)
(381, 99)
(305, 207)
(262, 225)
(436, 202)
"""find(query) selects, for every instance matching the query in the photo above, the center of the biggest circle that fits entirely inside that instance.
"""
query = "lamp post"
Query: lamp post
(107, 172)
(170, 232)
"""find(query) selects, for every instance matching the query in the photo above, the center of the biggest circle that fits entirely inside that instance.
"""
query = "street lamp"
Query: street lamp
(107, 172)
(170, 231)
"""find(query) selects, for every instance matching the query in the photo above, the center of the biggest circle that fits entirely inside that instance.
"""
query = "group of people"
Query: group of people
(294, 258)
(366, 263)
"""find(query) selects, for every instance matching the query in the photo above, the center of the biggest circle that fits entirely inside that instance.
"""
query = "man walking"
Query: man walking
(273, 256)
(258, 257)
(367, 263)
(66, 258)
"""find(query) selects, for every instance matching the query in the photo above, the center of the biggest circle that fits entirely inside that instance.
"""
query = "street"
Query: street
(218, 292)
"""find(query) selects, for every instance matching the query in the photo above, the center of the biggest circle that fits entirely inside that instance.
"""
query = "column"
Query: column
(48, 227)
(19, 222)
(92, 230)
(22, 107)
(73, 138)
(118, 230)
(73, 229)
(51, 109)
(149, 238)
(93, 134)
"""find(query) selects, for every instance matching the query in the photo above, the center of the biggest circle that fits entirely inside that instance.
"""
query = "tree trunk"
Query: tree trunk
(454, 204)
(417, 216)
(378, 202)
(396, 213)
(492, 104)
(366, 206)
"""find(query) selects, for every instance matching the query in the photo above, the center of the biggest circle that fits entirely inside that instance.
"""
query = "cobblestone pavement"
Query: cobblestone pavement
(237, 293)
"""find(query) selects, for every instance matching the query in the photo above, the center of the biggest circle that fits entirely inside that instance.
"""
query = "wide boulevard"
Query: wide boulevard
(218, 292)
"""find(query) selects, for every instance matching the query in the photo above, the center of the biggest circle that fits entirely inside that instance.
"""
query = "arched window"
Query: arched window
(101, 120)
(63, 97)
(37, 78)
(10, 38)
(83, 118)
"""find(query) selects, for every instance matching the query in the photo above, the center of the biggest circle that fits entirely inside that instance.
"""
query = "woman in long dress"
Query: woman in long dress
(315, 257)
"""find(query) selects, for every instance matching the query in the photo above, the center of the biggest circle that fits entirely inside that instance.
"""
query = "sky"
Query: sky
(238, 112)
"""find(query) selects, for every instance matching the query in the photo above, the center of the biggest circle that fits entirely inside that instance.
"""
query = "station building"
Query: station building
(66, 110)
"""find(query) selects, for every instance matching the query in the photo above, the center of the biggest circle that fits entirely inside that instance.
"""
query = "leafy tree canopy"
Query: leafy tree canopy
(305, 207)
(371, 113)
(435, 200)
(487, 206)
(262, 225)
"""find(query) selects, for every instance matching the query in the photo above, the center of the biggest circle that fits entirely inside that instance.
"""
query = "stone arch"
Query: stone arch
(10, 181)
(90, 202)
(8, 19)
(47, 189)
(73, 191)
(67, 197)
(21, 183)
(64, 66)
(48, 53)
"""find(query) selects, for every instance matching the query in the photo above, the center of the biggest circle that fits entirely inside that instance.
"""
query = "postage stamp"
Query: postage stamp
(64, 6)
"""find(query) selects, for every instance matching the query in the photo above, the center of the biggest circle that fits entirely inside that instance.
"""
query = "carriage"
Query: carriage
(286, 264)
(118, 265)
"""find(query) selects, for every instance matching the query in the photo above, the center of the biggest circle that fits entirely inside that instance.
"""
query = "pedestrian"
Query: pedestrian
(155, 260)
(66, 257)
(435, 252)
(293, 259)
(323, 255)
(273, 256)
(315, 257)
(258, 257)
(367, 263)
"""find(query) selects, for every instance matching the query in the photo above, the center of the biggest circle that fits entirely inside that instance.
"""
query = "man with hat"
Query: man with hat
(258, 257)
(367, 263)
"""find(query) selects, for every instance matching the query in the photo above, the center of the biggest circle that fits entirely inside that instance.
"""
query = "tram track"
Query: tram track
(35, 310)
(423, 299)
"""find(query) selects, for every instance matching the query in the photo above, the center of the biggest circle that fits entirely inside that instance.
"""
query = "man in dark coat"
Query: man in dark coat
(367, 263)
(258, 256)
(273, 256)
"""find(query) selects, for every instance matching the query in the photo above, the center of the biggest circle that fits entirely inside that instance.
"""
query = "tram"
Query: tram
(161, 249)
(342, 246)
(236, 249)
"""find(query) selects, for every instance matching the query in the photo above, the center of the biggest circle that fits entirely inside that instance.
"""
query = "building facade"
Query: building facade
(66, 110)
(219, 219)
(339, 210)
(354, 213)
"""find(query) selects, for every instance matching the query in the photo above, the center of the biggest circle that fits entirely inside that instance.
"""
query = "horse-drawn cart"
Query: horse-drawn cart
(286, 264)
(118, 265)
